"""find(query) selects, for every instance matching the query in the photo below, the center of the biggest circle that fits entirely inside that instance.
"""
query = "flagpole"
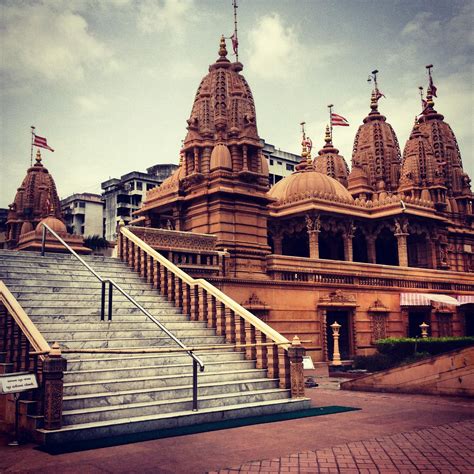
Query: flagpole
(421, 97)
(234, 3)
(32, 140)
(330, 106)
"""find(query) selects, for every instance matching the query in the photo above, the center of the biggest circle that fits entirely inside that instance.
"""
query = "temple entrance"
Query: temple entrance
(469, 319)
(415, 318)
(343, 317)
(386, 248)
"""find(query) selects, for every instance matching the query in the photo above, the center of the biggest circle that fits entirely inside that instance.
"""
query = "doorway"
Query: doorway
(469, 320)
(415, 318)
(343, 318)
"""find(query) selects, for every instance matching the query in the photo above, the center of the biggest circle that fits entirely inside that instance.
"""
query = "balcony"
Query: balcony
(341, 273)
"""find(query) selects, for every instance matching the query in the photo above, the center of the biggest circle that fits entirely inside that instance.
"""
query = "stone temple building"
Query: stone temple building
(380, 249)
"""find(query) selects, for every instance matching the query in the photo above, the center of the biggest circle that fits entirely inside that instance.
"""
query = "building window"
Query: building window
(279, 163)
(149, 186)
(271, 162)
(131, 186)
(290, 167)
(82, 204)
(278, 178)
(139, 185)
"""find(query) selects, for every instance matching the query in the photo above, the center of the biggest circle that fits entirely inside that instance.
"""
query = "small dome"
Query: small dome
(220, 157)
(26, 227)
(301, 184)
(53, 223)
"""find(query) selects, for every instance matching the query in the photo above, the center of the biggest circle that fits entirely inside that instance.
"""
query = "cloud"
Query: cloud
(89, 104)
(277, 52)
(42, 42)
(165, 15)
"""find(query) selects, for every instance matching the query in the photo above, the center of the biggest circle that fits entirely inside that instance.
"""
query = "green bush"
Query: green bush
(399, 349)
(96, 242)
(373, 363)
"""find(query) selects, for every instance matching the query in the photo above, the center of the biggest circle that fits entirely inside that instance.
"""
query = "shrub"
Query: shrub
(399, 349)
(96, 242)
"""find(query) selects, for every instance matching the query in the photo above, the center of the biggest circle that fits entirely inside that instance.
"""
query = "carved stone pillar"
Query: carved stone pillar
(313, 224)
(371, 253)
(432, 254)
(296, 352)
(196, 160)
(278, 244)
(402, 249)
(53, 369)
(348, 236)
(245, 163)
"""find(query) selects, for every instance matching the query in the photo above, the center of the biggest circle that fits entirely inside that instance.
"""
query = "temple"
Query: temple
(380, 249)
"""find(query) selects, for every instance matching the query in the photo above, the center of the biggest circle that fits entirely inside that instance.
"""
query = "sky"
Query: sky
(110, 83)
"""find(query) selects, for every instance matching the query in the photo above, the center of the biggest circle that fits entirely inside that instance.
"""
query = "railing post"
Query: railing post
(229, 325)
(170, 287)
(211, 311)
(202, 304)
(186, 297)
(220, 319)
(194, 310)
(111, 288)
(102, 301)
(195, 385)
(250, 352)
(43, 241)
(53, 369)
(272, 361)
(261, 350)
(295, 353)
(239, 332)
(284, 368)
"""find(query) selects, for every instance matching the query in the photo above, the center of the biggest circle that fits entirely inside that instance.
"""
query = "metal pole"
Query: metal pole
(195, 385)
(330, 106)
(15, 441)
(110, 300)
(102, 302)
(43, 241)
(32, 141)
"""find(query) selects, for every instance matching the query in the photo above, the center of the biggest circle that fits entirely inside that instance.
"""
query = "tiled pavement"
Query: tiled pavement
(444, 449)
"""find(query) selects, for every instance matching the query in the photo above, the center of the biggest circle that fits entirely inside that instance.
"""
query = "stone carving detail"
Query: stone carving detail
(173, 240)
(254, 302)
(378, 326)
(338, 296)
(401, 226)
(313, 223)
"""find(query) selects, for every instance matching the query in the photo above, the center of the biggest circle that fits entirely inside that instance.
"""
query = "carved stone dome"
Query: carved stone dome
(223, 109)
(445, 147)
(309, 183)
(330, 163)
(376, 149)
(54, 223)
(37, 197)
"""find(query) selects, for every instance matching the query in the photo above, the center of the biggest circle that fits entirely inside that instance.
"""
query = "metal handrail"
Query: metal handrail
(196, 360)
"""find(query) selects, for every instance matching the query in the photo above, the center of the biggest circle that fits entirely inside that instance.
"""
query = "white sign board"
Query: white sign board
(308, 362)
(17, 382)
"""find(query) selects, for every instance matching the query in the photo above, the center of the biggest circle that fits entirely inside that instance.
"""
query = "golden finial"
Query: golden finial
(38, 156)
(327, 136)
(222, 48)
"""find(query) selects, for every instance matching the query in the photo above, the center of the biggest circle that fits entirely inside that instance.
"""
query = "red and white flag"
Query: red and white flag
(235, 43)
(41, 142)
(338, 120)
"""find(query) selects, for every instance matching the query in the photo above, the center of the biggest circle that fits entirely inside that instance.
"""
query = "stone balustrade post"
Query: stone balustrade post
(348, 250)
(54, 367)
(313, 243)
(371, 252)
(295, 353)
(278, 244)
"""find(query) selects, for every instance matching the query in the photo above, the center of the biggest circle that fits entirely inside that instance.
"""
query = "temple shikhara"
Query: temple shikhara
(364, 247)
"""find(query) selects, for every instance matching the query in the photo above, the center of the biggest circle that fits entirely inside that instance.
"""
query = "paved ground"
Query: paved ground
(423, 433)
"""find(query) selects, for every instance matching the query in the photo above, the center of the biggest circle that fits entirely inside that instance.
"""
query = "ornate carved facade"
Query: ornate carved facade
(324, 244)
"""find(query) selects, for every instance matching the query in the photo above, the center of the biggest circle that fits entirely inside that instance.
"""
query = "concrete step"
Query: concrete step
(132, 361)
(88, 303)
(66, 292)
(94, 310)
(144, 342)
(93, 317)
(186, 417)
(126, 398)
(126, 371)
(74, 327)
(168, 382)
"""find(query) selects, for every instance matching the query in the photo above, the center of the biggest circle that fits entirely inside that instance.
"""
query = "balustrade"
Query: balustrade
(201, 301)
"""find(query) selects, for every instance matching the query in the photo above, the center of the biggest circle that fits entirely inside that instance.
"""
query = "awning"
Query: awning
(465, 299)
(425, 299)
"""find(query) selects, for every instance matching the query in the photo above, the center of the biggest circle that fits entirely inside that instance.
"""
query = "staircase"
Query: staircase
(108, 395)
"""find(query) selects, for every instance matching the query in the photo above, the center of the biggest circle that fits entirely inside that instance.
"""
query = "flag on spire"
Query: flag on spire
(41, 142)
(235, 43)
(433, 88)
(379, 94)
(338, 120)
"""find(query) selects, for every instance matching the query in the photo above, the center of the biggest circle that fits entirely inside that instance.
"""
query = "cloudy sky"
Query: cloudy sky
(110, 83)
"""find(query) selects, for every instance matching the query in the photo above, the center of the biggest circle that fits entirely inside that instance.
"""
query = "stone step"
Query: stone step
(125, 371)
(65, 292)
(74, 327)
(163, 407)
(165, 394)
(169, 382)
(94, 310)
(174, 419)
(131, 361)
(16, 270)
(53, 278)
(53, 304)
(34, 297)
(132, 343)
(112, 334)
(93, 317)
